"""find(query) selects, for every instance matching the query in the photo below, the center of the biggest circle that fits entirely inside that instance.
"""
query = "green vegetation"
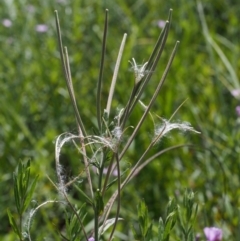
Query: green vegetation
(36, 108)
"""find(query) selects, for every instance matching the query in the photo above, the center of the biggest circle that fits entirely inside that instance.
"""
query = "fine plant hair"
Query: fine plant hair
(33, 212)
(104, 149)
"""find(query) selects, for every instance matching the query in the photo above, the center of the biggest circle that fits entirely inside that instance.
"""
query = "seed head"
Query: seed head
(139, 70)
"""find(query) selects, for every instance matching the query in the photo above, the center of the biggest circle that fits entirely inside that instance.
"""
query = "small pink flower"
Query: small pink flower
(41, 28)
(213, 234)
(235, 92)
(161, 23)
(7, 23)
(91, 239)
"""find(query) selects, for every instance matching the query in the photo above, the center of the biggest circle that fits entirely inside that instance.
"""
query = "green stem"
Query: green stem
(96, 223)
(101, 170)
(99, 87)
(21, 230)
(127, 108)
(66, 70)
(119, 197)
(107, 175)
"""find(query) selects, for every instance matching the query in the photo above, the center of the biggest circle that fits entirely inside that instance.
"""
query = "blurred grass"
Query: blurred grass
(35, 108)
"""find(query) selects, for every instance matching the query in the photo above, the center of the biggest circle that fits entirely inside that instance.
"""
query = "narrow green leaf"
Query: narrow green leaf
(13, 224)
(16, 192)
(143, 219)
(135, 233)
(189, 230)
(88, 199)
(26, 176)
(195, 212)
(169, 225)
(20, 179)
(181, 218)
(29, 194)
(148, 236)
(160, 230)
(99, 202)
(67, 222)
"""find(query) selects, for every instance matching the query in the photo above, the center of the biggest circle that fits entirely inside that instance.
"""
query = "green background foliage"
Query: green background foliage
(35, 106)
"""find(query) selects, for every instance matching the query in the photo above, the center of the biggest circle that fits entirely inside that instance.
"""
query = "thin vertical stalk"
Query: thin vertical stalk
(86, 163)
(118, 195)
(108, 206)
(157, 51)
(110, 96)
(138, 90)
(127, 108)
(79, 127)
(99, 85)
(95, 224)
(151, 101)
(96, 207)
(103, 157)
(107, 175)
(159, 41)
(153, 67)
(21, 226)
(67, 75)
